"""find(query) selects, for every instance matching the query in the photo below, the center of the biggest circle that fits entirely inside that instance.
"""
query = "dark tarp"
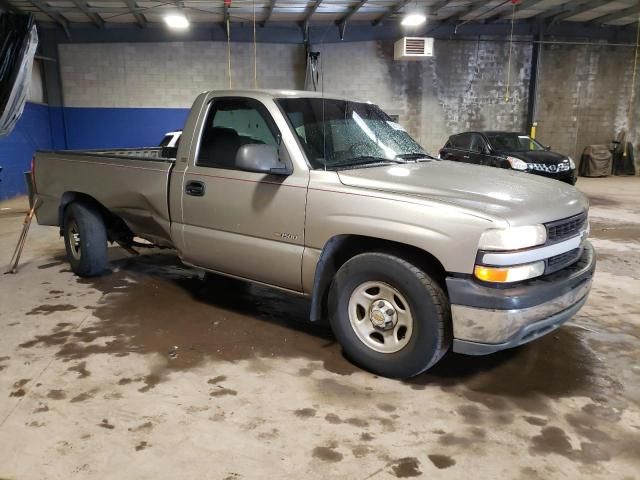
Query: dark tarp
(623, 160)
(596, 161)
(18, 42)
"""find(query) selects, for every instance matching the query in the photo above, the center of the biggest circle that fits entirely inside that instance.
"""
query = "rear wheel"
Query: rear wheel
(390, 317)
(85, 238)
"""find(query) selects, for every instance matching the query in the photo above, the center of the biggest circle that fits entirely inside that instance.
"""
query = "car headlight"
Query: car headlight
(572, 164)
(516, 163)
(513, 238)
(509, 274)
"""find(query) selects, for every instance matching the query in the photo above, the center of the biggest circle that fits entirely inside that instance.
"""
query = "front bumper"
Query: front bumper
(487, 319)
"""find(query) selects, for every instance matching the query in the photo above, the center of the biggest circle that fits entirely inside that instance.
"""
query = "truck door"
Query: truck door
(242, 223)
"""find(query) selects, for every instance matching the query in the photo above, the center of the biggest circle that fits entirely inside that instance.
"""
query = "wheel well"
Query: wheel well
(341, 248)
(117, 229)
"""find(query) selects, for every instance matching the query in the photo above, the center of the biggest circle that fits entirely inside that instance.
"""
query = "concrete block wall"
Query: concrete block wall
(170, 75)
(129, 95)
(123, 94)
(463, 87)
(480, 85)
(584, 94)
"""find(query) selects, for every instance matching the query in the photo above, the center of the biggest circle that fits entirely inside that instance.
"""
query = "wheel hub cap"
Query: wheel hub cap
(74, 241)
(383, 315)
(380, 317)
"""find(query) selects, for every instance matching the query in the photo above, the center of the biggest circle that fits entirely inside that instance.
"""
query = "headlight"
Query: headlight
(509, 274)
(516, 163)
(513, 238)
(572, 164)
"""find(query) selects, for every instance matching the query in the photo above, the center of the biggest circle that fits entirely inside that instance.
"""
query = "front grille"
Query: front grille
(563, 260)
(543, 167)
(565, 228)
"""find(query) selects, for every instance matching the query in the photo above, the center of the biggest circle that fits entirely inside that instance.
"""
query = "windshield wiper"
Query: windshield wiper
(415, 156)
(367, 160)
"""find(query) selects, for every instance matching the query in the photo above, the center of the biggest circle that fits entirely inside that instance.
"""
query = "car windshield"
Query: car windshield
(341, 134)
(513, 142)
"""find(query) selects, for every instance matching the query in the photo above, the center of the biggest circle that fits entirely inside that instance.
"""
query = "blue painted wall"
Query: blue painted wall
(33, 131)
(58, 128)
(120, 127)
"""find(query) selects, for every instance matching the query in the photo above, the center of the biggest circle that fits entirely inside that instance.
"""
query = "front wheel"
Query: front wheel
(390, 317)
(85, 239)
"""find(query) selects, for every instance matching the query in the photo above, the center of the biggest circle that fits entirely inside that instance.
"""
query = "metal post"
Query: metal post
(532, 106)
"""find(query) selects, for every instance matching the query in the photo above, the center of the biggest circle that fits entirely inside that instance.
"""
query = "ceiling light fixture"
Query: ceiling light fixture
(413, 19)
(176, 21)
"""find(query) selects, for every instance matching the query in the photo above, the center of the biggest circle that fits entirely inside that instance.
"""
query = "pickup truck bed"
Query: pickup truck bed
(131, 183)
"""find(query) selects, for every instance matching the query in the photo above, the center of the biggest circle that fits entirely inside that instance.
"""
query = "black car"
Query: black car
(516, 151)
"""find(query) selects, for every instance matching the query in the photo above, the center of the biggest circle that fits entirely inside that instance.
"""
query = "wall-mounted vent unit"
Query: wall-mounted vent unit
(413, 48)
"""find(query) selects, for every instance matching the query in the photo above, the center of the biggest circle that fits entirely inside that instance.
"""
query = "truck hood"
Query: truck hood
(516, 197)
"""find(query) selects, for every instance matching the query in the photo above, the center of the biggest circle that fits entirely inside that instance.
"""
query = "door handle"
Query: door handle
(195, 189)
(465, 156)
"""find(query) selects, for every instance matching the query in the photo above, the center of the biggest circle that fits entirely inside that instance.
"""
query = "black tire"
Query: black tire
(89, 259)
(429, 307)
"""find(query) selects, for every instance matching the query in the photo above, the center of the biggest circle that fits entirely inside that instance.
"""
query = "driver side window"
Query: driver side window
(230, 124)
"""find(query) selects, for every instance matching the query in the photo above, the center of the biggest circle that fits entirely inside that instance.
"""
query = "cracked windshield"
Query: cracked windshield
(339, 134)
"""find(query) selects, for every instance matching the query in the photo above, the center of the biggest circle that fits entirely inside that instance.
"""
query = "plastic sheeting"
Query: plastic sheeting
(18, 43)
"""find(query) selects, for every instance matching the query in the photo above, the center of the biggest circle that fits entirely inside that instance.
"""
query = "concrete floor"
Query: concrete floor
(150, 372)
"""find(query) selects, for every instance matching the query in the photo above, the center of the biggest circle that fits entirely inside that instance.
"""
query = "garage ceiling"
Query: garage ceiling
(106, 13)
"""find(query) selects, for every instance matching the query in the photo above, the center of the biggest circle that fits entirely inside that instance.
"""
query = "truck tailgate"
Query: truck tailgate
(132, 187)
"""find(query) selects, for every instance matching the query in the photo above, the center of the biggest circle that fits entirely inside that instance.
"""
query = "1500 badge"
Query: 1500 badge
(287, 236)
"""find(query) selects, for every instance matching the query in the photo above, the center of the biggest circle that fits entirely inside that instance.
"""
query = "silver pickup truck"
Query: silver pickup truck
(404, 254)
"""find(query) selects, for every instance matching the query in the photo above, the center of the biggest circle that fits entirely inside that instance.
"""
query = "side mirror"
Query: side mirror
(169, 152)
(261, 158)
(547, 147)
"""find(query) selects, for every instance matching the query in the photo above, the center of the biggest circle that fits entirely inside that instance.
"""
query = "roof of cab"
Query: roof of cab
(283, 93)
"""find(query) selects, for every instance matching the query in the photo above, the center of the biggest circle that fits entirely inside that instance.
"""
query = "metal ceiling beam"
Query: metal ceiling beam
(568, 10)
(433, 9)
(436, 7)
(54, 16)
(523, 5)
(94, 9)
(343, 21)
(391, 11)
(474, 6)
(5, 6)
(140, 20)
(94, 17)
(312, 10)
(627, 12)
(291, 32)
